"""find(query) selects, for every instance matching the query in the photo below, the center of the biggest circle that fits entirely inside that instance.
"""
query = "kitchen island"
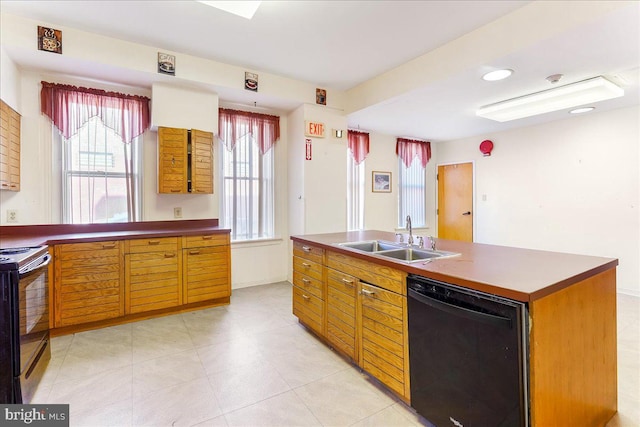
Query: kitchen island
(356, 301)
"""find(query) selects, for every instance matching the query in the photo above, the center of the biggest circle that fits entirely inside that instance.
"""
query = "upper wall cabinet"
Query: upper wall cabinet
(9, 148)
(185, 161)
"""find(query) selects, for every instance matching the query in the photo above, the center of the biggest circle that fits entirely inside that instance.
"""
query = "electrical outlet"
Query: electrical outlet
(12, 215)
(177, 212)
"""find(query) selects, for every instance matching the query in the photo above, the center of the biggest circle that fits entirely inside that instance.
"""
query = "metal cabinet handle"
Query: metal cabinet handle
(154, 242)
(194, 252)
(304, 264)
(305, 296)
(109, 246)
(306, 281)
(367, 293)
(306, 249)
(207, 237)
(467, 213)
(169, 255)
(347, 281)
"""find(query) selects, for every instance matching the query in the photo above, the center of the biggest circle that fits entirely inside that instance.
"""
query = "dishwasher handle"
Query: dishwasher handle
(477, 316)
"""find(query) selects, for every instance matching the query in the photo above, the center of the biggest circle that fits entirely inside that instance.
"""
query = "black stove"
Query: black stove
(17, 258)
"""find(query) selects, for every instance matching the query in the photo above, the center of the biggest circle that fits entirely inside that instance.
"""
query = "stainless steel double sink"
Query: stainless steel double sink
(398, 251)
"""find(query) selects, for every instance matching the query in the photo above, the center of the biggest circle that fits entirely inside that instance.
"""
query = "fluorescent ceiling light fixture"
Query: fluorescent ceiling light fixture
(496, 75)
(246, 9)
(559, 98)
(582, 110)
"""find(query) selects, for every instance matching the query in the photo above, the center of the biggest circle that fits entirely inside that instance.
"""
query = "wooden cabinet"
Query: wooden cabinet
(206, 267)
(153, 274)
(365, 310)
(341, 312)
(88, 283)
(9, 148)
(384, 352)
(185, 161)
(308, 291)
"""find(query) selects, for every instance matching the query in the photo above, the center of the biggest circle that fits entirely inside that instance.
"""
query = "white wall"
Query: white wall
(179, 107)
(10, 81)
(567, 186)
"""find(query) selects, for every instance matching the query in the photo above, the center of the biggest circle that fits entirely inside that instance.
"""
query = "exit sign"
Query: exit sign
(314, 129)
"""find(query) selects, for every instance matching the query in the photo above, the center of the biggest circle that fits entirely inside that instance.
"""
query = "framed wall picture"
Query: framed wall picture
(251, 81)
(381, 182)
(49, 39)
(166, 64)
(321, 96)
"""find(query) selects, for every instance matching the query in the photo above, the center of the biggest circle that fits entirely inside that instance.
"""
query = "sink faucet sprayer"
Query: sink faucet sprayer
(410, 241)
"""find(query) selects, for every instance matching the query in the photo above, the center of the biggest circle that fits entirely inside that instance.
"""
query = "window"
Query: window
(413, 157)
(355, 194)
(358, 143)
(412, 182)
(97, 169)
(100, 151)
(247, 195)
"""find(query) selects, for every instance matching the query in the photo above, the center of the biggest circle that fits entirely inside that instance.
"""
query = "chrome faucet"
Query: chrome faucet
(410, 240)
(433, 243)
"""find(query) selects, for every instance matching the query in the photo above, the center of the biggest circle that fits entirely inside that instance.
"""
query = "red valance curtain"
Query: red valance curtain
(234, 124)
(358, 144)
(408, 149)
(70, 107)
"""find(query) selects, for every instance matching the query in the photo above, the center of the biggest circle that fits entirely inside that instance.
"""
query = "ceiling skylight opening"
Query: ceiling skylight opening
(496, 75)
(582, 110)
(246, 9)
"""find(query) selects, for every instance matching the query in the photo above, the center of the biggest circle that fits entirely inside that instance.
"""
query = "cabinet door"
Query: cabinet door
(87, 283)
(384, 348)
(172, 160)
(153, 274)
(9, 148)
(341, 312)
(201, 162)
(206, 273)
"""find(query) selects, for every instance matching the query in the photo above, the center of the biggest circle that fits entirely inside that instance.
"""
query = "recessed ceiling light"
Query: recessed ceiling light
(246, 9)
(582, 110)
(493, 76)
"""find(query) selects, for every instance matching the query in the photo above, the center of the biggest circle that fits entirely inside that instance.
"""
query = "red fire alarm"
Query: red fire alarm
(485, 147)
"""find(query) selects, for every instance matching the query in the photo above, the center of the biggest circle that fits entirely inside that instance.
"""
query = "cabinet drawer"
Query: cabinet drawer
(205, 240)
(308, 268)
(308, 308)
(343, 283)
(312, 253)
(379, 275)
(69, 250)
(308, 284)
(160, 244)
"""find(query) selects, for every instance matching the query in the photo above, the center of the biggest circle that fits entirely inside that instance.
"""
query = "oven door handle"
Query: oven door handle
(29, 268)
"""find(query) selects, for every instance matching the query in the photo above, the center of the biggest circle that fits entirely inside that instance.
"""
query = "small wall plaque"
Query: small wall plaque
(49, 39)
(321, 96)
(166, 64)
(251, 81)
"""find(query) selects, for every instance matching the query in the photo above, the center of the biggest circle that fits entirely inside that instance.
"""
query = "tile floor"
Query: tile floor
(246, 364)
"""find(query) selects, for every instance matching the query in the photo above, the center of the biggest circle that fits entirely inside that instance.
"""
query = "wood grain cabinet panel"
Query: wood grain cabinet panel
(9, 148)
(207, 268)
(185, 161)
(309, 287)
(88, 283)
(153, 274)
(341, 312)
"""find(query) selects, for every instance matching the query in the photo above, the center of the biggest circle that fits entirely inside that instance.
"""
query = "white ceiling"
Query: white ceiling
(341, 44)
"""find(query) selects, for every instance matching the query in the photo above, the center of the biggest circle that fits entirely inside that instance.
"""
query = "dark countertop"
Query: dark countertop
(515, 273)
(53, 234)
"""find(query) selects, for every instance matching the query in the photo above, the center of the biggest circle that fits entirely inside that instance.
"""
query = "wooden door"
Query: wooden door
(172, 160)
(455, 202)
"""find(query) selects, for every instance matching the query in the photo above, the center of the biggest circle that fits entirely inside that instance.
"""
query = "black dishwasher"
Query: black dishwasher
(467, 356)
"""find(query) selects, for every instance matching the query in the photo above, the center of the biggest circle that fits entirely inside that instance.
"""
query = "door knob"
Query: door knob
(467, 213)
